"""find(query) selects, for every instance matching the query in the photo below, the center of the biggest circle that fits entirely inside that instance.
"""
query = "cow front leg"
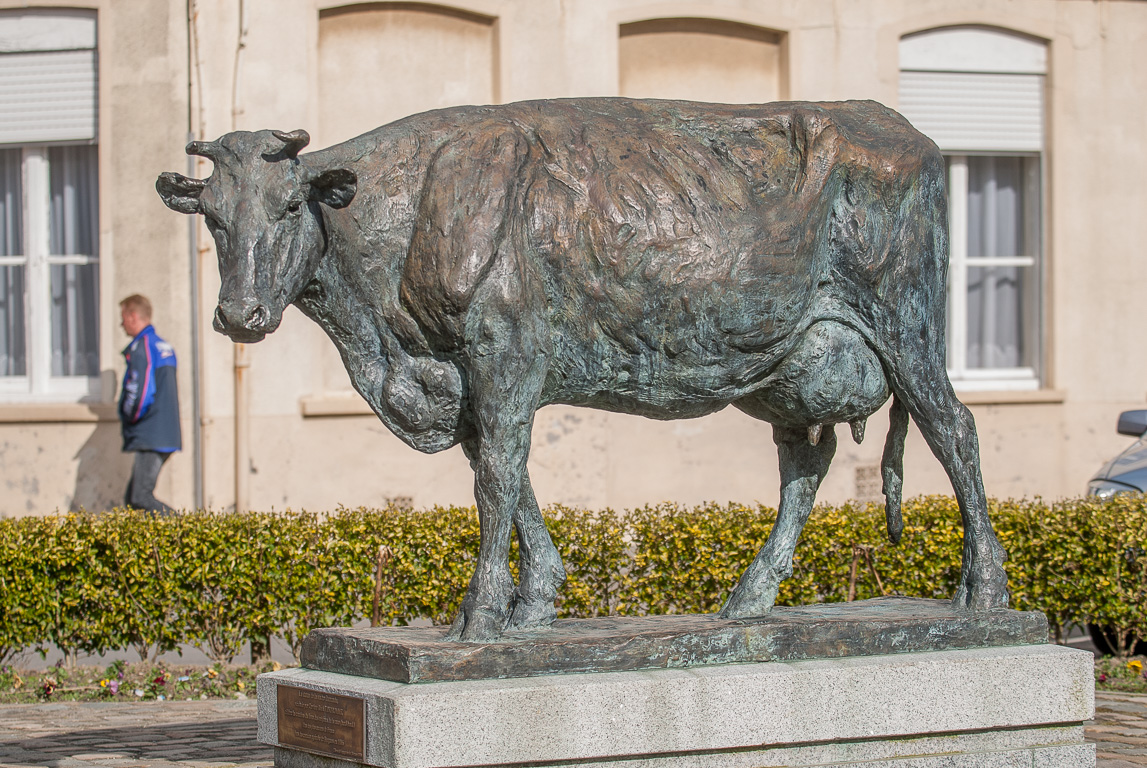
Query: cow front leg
(506, 374)
(498, 470)
(803, 467)
(541, 573)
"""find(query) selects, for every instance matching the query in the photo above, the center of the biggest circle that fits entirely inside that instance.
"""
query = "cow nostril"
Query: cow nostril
(220, 321)
(258, 317)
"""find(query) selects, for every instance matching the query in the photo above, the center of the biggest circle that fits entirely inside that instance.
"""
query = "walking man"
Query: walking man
(148, 404)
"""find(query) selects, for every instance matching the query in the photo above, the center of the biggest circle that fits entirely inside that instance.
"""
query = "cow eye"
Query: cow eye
(295, 206)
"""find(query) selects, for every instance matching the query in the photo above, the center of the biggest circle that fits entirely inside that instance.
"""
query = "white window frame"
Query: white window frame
(963, 377)
(68, 35)
(39, 384)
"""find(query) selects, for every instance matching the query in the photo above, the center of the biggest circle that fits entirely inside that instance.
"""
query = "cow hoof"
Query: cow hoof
(756, 591)
(985, 594)
(979, 601)
(749, 603)
(534, 601)
(476, 625)
(532, 614)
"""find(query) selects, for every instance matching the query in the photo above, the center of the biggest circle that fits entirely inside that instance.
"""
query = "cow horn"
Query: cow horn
(294, 141)
(208, 149)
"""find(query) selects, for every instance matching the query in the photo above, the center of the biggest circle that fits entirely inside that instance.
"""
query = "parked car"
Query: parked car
(1126, 473)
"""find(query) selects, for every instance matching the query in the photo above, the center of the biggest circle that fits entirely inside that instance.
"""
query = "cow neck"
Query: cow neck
(418, 397)
(367, 243)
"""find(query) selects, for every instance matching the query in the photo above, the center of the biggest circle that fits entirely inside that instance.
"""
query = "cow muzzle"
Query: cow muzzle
(244, 322)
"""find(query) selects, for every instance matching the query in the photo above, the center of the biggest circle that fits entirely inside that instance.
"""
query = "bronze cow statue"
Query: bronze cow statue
(661, 258)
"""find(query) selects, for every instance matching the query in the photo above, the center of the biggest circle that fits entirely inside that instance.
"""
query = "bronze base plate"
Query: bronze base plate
(616, 643)
(320, 722)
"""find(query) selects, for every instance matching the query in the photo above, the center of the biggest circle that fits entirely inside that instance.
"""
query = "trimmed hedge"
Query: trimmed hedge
(94, 583)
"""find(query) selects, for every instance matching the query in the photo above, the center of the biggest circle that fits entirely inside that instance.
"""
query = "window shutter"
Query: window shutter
(975, 111)
(47, 96)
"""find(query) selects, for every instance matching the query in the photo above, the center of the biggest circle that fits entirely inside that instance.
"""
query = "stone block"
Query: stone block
(998, 706)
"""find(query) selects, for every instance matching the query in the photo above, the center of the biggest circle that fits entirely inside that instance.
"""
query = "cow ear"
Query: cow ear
(335, 188)
(179, 192)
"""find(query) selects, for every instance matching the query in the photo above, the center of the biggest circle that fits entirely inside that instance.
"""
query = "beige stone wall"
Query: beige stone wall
(337, 70)
(382, 47)
(699, 60)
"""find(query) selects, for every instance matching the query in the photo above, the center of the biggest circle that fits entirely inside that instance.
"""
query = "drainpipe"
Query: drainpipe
(196, 392)
(242, 357)
(193, 258)
(242, 429)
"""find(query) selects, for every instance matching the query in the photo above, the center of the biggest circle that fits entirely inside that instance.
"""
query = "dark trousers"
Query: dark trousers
(141, 486)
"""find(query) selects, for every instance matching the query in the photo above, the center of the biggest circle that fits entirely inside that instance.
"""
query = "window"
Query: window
(49, 205)
(979, 94)
(995, 247)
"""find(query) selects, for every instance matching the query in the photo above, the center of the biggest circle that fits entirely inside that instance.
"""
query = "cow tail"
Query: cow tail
(892, 468)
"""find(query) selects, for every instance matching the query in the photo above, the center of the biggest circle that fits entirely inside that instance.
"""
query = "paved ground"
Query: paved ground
(1119, 730)
(170, 734)
(221, 734)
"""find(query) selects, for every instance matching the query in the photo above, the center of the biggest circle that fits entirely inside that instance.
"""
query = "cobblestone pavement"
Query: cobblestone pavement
(221, 734)
(169, 734)
(1119, 730)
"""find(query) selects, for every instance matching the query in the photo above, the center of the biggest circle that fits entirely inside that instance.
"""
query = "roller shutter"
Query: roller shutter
(47, 96)
(975, 111)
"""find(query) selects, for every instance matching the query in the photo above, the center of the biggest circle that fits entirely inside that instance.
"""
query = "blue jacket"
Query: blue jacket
(149, 400)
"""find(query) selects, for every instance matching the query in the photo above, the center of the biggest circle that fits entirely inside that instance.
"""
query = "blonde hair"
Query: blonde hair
(138, 304)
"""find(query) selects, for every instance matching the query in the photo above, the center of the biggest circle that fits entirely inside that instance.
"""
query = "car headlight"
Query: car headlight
(1105, 489)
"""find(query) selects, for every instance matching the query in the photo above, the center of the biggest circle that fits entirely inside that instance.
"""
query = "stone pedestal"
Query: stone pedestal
(998, 706)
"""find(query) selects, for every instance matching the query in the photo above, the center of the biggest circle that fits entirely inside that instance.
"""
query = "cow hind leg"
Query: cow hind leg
(912, 317)
(950, 431)
(803, 467)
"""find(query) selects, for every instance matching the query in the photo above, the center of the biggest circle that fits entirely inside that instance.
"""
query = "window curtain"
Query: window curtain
(74, 222)
(997, 295)
(13, 355)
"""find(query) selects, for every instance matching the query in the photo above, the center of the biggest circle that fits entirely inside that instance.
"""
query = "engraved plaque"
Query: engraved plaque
(322, 723)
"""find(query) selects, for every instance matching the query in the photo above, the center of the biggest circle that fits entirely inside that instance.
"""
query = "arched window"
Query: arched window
(699, 60)
(979, 94)
(49, 204)
(369, 52)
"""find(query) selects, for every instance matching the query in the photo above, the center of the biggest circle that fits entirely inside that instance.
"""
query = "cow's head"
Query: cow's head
(261, 204)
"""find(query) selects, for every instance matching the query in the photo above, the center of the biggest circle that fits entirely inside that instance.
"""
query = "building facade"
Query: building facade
(1038, 106)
